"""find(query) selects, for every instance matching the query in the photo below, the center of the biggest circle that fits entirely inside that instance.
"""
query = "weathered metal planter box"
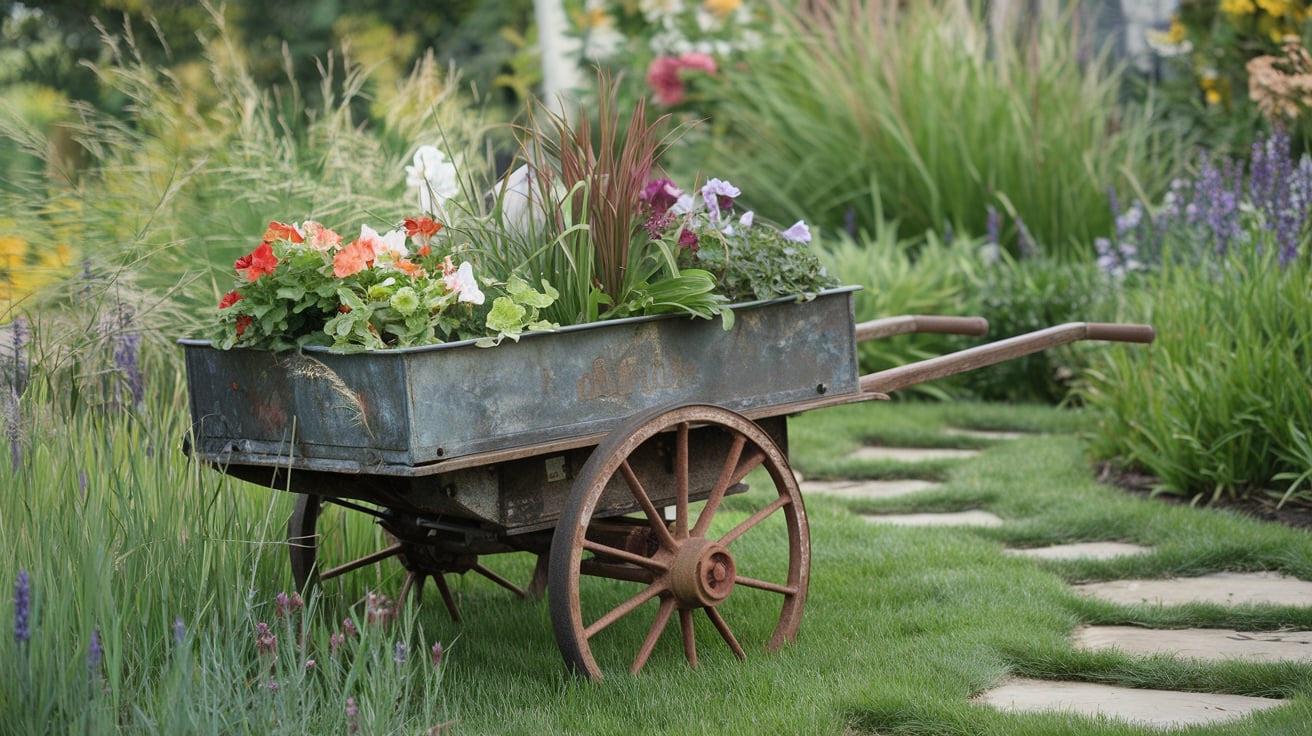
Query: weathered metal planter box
(405, 408)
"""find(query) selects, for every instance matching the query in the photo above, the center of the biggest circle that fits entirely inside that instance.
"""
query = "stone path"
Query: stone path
(1210, 644)
(910, 454)
(1160, 708)
(1080, 551)
(866, 488)
(1146, 707)
(973, 517)
(1224, 588)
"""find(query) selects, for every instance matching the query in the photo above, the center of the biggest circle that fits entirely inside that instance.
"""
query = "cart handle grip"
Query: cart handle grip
(908, 323)
(1003, 350)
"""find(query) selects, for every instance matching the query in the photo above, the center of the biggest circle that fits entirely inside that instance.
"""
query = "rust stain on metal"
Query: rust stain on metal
(647, 374)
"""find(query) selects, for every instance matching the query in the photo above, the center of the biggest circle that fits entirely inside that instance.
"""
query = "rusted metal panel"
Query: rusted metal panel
(413, 407)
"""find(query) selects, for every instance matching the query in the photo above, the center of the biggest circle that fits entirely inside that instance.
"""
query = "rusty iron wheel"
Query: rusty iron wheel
(304, 540)
(687, 568)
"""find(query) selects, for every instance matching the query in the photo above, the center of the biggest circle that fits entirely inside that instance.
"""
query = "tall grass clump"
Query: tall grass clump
(858, 103)
(1220, 405)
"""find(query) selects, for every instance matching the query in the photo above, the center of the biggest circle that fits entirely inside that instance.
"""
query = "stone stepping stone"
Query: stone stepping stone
(866, 488)
(984, 434)
(1213, 644)
(1224, 588)
(910, 454)
(1157, 708)
(1081, 551)
(974, 517)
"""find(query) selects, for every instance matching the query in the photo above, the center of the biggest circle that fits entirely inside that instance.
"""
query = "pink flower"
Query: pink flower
(378, 608)
(265, 640)
(288, 604)
(462, 282)
(437, 654)
(698, 61)
(665, 78)
(660, 195)
(354, 258)
(688, 239)
(320, 237)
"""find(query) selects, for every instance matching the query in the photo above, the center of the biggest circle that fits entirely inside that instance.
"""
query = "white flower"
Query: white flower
(435, 178)
(798, 233)
(393, 242)
(685, 204)
(656, 10)
(462, 282)
(747, 219)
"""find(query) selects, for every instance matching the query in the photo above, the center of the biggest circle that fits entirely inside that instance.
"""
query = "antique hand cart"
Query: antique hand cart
(585, 446)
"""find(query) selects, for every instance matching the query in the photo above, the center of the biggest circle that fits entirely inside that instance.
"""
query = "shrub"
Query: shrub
(1219, 405)
(907, 276)
(863, 102)
(1018, 296)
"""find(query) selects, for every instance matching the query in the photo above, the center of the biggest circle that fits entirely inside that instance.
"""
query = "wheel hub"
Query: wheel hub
(702, 573)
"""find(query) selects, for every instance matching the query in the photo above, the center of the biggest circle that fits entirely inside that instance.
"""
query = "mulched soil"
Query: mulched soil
(1259, 508)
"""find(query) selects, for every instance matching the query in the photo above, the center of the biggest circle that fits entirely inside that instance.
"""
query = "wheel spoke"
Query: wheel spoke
(754, 519)
(723, 628)
(653, 634)
(756, 457)
(721, 485)
(623, 609)
(625, 555)
(765, 585)
(447, 599)
(681, 482)
(654, 518)
(481, 570)
(689, 641)
(631, 573)
(368, 559)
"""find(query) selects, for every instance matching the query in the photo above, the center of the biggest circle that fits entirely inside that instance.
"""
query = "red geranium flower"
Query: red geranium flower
(422, 227)
(229, 299)
(243, 322)
(282, 231)
(257, 263)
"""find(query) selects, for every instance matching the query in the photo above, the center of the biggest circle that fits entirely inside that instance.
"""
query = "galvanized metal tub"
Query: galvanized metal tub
(412, 407)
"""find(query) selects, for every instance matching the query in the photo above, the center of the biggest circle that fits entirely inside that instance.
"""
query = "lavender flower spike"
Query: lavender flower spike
(95, 652)
(798, 233)
(179, 630)
(22, 607)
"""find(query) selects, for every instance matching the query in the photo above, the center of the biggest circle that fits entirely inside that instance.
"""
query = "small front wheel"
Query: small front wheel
(685, 566)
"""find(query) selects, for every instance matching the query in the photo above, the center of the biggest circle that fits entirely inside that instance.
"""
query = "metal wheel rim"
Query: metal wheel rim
(568, 542)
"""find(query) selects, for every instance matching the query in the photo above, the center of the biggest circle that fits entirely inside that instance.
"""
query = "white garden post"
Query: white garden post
(560, 73)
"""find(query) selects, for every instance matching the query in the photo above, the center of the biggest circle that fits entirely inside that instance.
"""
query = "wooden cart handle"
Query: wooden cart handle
(908, 323)
(1000, 351)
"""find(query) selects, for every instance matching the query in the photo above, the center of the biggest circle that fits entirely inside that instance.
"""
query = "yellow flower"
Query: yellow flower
(722, 8)
(12, 250)
(1175, 34)
(1213, 88)
(58, 258)
(1238, 7)
(1212, 96)
(1275, 7)
(594, 18)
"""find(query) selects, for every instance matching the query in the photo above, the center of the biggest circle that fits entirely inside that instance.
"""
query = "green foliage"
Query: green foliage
(519, 311)
(1219, 405)
(757, 263)
(905, 276)
(1027, 295)
(863, 104)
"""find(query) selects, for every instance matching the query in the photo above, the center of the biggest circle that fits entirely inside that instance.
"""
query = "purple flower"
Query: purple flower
(688, 239)
(993, 226)
(272, 685)
(436, 653)
(352, 716)
(310, 664)
(127, 356)
(660, 195)
(18, 339)
(266, 642)
(288, 604)
(747, 219)
(12, 414)
(719, 195)
(335, 641)
(798, 233)
(22, 607)
(95, 652)
(657, 223)
(399, 652)
(348, 627)
(179, 630)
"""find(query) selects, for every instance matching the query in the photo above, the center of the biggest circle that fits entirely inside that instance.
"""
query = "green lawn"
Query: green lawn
(901, 627)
